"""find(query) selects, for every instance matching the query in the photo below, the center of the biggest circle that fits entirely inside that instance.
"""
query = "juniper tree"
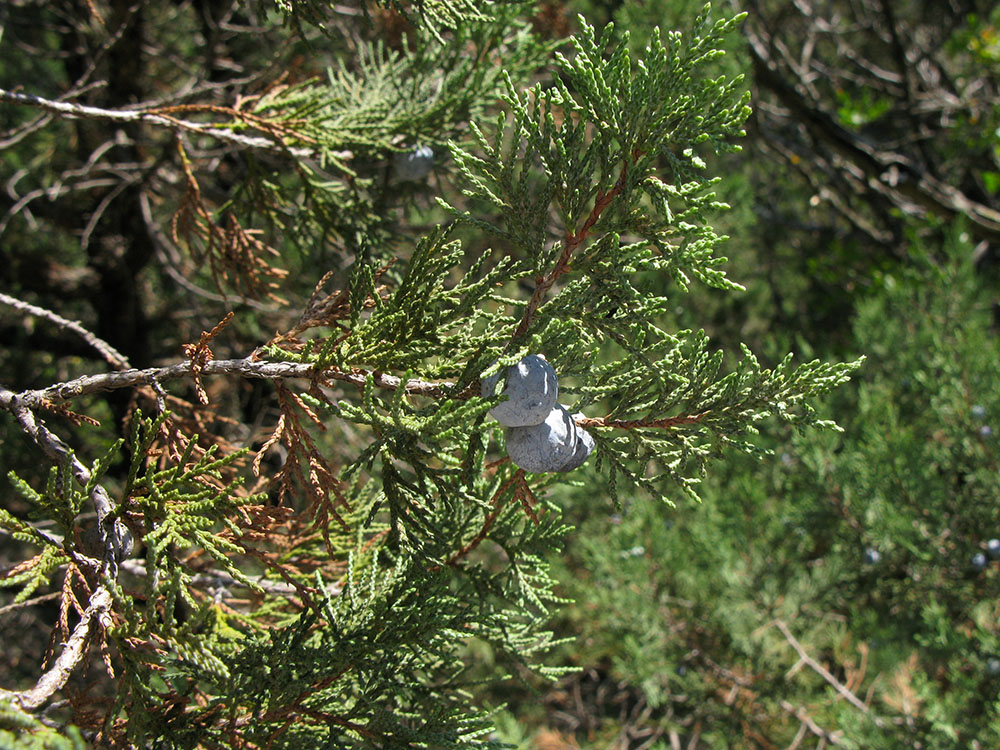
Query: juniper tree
(310, 562)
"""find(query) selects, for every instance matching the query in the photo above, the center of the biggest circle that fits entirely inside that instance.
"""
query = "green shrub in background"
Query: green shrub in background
(834, 593)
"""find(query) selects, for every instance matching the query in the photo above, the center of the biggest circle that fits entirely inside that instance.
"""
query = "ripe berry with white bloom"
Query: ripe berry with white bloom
(978, 561)
(413, 165)
(993, 548)
(549, 446)
(584, 447)
(532, 389)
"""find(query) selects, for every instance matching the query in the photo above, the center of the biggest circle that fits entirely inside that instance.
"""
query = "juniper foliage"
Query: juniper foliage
(344, 129)
(615, 155)
(701, 609)
(25, 732)
(339, 602)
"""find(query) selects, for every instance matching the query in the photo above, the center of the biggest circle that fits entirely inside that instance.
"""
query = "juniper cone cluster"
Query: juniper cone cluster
(531, 390)
(540, 434)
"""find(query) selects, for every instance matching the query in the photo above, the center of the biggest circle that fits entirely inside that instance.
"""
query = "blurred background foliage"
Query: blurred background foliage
(829, 595)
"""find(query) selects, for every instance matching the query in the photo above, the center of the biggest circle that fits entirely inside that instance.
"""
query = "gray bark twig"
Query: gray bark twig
(117, 544)
(116, 540)
(71, 656)
(86, 112)
(248, 368)
(112, 355)
(806, 659)
(30, 602)
(83, 111)
(807, 723)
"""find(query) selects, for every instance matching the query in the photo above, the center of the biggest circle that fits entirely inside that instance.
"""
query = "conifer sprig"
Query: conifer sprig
(344, 130)
(438, 16)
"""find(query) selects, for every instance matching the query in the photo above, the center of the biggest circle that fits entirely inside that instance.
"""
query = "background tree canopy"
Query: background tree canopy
(258, 256)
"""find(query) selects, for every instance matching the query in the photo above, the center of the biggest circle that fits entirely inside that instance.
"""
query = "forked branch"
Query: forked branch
(163, 117)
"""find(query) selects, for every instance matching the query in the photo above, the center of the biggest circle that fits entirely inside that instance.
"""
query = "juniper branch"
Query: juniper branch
(117, 543)
(264, 370)
(634, 424)
(834, 738)
(498, 503)
(71, 656)
(572, 241)
(248, 368)
(112, 355)
(213, 578)
(50, 536)
(161, 117)
(116, 540)
(30, 602)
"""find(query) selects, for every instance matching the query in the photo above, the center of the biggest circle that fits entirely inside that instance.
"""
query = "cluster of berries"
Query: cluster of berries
(979, 561)
(541, 435)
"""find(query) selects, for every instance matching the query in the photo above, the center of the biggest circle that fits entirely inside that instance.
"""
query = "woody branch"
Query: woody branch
(117, 544)
(163, 117)
(264, 370)
(112, 355)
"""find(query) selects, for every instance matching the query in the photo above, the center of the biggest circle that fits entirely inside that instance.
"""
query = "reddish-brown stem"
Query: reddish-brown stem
(526, 497)
(571, 242)
(634, 424)
(296, 707)
(497, 502)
